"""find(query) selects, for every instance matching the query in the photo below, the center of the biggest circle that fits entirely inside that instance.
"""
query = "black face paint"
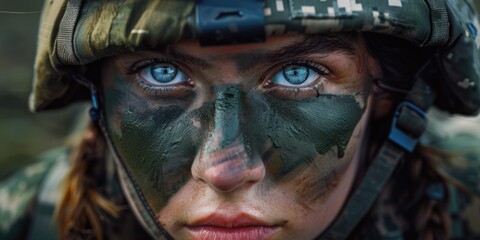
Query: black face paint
(158, 140)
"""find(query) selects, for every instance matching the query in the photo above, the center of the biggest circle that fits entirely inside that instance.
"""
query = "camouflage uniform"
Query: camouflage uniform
(27, 199)
(19, 194)
(90, 30)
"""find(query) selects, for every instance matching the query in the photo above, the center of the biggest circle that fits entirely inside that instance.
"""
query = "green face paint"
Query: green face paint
(301, 130)
(158, 139)
(227, 118)
(156, 143)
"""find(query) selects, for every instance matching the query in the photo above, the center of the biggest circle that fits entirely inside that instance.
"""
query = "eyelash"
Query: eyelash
(138, 66)
(155, 91)
(308, 63)
(294, 92)
(265, 81)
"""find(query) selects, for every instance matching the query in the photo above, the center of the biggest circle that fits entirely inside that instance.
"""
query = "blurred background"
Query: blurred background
(24, 135)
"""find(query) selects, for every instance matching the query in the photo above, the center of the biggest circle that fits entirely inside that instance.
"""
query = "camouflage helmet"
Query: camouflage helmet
(75, 33)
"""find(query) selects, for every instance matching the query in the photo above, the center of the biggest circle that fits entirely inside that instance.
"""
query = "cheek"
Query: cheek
(157, 141)
(307, 141)
(310, 211)
(302, 131)
(314, 183)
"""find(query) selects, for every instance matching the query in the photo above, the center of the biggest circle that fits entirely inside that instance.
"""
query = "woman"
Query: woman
(209, 121)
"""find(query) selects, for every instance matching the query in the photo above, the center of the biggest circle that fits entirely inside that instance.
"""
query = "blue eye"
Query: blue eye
(295, 75)
(163, 74)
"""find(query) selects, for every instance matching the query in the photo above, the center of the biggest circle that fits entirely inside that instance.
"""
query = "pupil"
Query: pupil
(163, 73)
(296, 74)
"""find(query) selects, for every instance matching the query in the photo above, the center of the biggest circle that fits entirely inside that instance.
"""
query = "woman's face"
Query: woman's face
(255, 141)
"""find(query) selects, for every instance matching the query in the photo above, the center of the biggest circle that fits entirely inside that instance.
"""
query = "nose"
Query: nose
(225, 161)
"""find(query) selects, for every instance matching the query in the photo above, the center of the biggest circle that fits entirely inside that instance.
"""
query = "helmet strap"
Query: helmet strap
(408, 124)
(94, 111)
(130, 187)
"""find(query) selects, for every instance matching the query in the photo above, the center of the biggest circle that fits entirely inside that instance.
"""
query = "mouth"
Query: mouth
(232, 227)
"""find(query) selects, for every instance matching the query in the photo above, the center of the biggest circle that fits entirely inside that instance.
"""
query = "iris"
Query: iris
(163, 73)
(296, 74)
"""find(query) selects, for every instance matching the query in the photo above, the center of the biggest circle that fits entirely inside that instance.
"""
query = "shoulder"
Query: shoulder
(464, 211)
(18, 194)
(456, 142)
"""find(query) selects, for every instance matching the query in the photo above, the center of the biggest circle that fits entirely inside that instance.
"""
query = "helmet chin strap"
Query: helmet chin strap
(130, 187)
(409, 123)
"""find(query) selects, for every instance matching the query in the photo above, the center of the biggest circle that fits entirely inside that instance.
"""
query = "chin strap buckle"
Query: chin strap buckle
(409, 122)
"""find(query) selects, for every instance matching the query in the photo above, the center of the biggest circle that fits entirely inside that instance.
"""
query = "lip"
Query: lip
(232, 227)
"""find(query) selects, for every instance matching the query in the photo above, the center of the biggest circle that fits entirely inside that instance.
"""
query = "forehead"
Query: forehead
(285, 42)
(274, 49)
(271, 43)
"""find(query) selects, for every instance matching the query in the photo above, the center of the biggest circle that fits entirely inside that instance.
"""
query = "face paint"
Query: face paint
(228, 111)
(236, 136)
(158, 140)
(155, 141)
(308, 140)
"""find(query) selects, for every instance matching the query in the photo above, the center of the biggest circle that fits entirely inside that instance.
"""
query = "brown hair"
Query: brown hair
(78, 210)
(418, 215)
(405, 203)
(425, 215)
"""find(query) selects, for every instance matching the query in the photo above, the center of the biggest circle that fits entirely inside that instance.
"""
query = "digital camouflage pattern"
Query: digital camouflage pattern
(29, 198)
(21, 195)
(456, 141)
(461, 138)
(463, 211)
(18, 196)
(20, 199)
(74, 33)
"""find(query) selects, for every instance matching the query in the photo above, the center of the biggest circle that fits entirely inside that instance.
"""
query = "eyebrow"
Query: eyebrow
(175, 54)
(310, 44)
(313, 44)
